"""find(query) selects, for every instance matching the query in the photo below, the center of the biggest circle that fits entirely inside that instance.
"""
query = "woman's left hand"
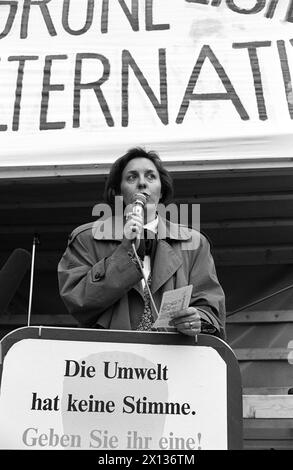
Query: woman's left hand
(187, 321)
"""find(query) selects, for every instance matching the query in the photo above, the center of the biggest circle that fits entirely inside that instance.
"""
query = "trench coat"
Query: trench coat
(99, 279)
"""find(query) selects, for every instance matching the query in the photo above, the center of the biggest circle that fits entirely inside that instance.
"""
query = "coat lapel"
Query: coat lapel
(138, 288)
(166, 263)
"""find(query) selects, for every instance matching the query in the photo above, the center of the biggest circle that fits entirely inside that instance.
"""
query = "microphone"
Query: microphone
(138, 204)
(12, 274)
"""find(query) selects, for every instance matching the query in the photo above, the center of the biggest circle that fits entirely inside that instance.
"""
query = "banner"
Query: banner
(91, 395)
(82, 81)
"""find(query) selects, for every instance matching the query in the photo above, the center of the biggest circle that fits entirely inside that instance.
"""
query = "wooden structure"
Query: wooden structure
(268, 422)
(267, 375)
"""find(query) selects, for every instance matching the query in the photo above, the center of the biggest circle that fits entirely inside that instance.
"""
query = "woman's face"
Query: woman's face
(141, 176)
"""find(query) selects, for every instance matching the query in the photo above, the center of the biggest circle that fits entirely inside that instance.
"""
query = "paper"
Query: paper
(173, 301)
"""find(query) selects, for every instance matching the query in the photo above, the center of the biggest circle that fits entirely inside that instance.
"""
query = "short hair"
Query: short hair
(113, 183)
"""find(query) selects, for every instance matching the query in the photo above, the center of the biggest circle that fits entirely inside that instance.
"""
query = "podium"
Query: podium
(71, 388)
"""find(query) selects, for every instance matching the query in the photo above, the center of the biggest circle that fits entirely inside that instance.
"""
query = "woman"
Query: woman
(100, 278)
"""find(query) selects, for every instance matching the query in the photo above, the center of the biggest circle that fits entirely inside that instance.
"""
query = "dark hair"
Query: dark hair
(113, 183)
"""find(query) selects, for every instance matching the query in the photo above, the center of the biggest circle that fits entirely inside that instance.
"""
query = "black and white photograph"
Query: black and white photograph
(146, 227)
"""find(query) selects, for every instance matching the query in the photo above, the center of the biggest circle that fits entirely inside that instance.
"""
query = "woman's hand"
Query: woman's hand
(133, 226)
(187, 321)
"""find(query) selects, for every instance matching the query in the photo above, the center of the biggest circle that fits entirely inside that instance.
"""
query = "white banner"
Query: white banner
(83, 80)
(86, 395)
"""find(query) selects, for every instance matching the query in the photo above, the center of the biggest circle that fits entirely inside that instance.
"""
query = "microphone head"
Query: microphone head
(140, 198)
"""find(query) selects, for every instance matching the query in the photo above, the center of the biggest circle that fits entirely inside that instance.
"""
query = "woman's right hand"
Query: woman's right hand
(133, 227)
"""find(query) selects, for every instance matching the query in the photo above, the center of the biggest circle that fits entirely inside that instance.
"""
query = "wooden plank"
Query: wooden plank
(10, 206)
(261, 354)
(273, 444)
(268, 406)
(253, 255)
(249, 223)
(262, 426)
(40, 228)
(266, 390)
(236, 198)
(262, 316)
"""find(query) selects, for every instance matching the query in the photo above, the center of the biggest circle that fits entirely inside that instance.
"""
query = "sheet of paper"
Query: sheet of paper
(172, 302)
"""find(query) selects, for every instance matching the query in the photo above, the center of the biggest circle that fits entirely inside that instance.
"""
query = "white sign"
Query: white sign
(82, 81)
(85, 395)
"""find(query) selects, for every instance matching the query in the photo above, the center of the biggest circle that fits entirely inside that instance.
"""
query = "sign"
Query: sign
(81, 82)
(88, 395)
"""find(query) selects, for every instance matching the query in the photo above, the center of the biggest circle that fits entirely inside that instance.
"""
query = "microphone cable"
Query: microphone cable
(144, 277)
(139, 202)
